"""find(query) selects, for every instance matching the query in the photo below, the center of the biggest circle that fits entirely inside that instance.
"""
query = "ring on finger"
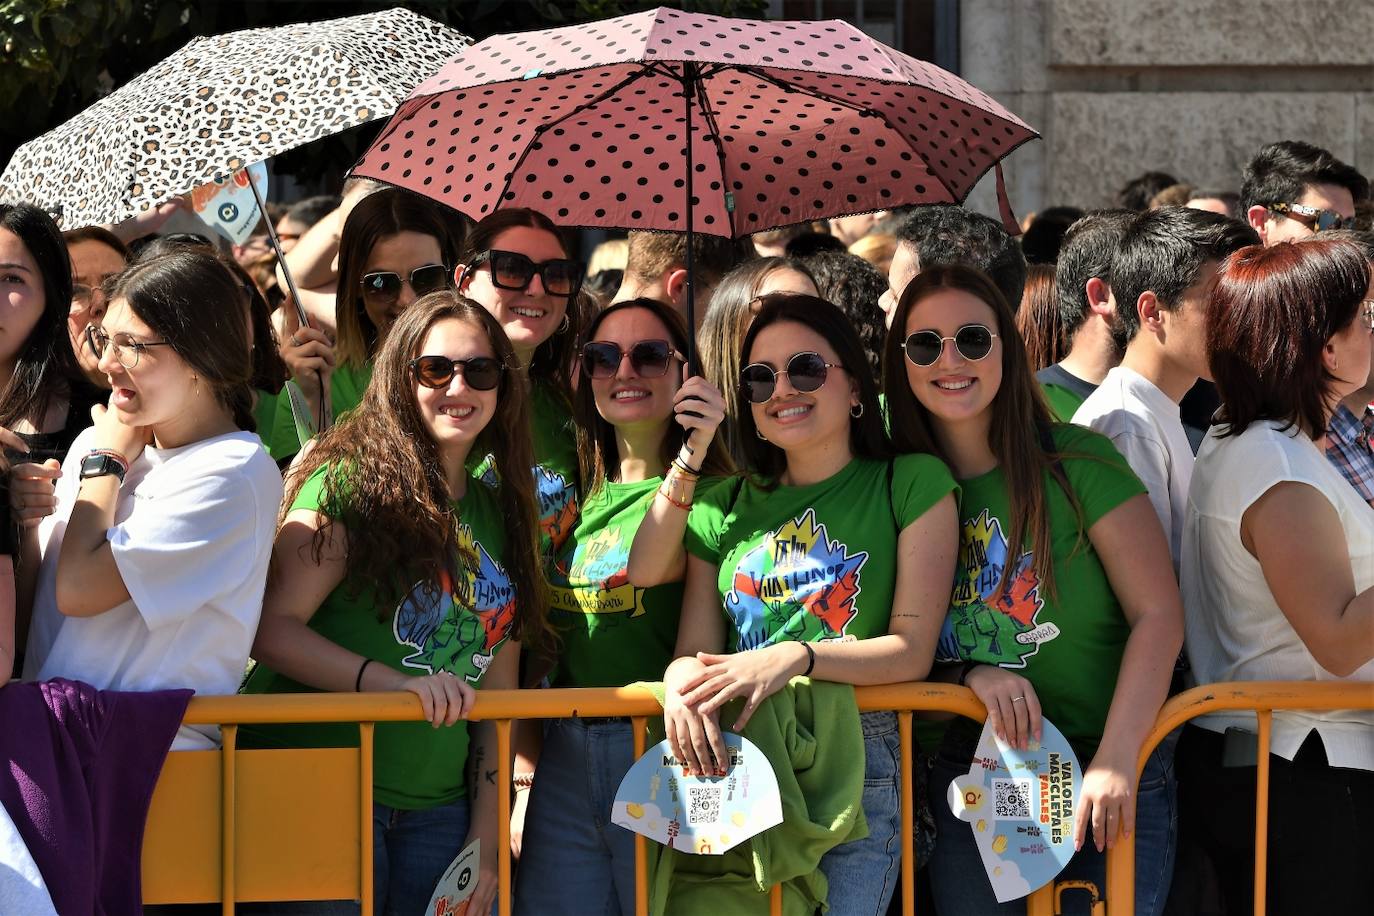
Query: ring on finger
(1018, 699)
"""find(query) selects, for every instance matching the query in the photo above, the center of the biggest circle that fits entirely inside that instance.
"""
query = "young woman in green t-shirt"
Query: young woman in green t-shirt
(829, 560)
(611, 633)
(517, 265)
(395, 569)
(1064, 601)
(395, 247)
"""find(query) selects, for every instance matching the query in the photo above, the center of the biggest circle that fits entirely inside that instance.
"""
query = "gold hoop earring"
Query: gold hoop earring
(760, 434)
(859, 407)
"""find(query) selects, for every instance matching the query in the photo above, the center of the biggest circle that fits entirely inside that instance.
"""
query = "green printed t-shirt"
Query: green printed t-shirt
(555, 467)
(457, 625)
(612, 633)
(815, 562)
(346, 387)
(1068, 646)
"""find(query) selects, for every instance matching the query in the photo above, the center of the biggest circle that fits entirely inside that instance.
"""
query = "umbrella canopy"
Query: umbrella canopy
(220, 104)
(788, 121)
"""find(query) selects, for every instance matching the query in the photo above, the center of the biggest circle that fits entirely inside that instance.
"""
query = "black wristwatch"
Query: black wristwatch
(99, 464)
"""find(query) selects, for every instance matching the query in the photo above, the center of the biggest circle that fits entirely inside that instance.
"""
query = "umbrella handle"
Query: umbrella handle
(291, 285)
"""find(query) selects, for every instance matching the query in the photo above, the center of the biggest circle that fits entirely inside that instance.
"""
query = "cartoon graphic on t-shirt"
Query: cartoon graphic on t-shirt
(1006, 633)
(556, 498)
(593, 578)
(554, 495)
(458, 629)
(797, 584)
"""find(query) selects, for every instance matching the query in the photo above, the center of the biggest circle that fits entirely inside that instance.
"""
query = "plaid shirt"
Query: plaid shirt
(1348, 446)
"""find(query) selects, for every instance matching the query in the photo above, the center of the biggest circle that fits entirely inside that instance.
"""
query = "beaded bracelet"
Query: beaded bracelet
(686, 507)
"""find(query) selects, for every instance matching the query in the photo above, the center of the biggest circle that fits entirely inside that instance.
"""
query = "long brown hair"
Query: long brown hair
(45, 367)
(386, 482)
(596, 442)
(1019, 436)
(382, 213)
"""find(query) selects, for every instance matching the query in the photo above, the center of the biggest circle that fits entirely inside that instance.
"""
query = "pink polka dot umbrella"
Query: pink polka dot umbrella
(693, 123)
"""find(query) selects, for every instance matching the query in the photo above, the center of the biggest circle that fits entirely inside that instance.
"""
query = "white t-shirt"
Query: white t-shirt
(1235, 630)
(1145, 426)
(192, 539)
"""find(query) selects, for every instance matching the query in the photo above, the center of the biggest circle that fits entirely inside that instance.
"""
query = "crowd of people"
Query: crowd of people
(1073, 473)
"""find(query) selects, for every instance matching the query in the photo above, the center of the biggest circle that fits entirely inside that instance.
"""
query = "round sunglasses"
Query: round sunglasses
(482, 373)
(973, 341)
(648, 358)
(383, 287)
(511, 270)
(806, 372)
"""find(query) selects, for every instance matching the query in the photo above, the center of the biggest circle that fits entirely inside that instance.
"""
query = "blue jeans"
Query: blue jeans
(410, 851)
(573, 860)
(863, 874)
(959, 880)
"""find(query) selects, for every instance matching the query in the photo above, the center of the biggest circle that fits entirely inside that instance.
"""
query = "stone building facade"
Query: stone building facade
(1190, 87)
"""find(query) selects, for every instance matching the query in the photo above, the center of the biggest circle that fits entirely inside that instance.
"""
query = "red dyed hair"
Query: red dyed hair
(1269, 318)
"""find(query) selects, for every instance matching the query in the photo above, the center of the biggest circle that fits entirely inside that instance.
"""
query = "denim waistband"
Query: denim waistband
(880, 722)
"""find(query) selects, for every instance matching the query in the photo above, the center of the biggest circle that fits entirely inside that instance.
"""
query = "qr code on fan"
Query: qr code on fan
(1011, 798)
(703, 804)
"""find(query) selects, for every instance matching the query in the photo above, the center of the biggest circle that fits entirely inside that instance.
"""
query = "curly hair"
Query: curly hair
(385, 479)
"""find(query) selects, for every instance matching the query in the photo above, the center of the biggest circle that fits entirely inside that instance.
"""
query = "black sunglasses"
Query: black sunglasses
(384, 287)
(806, 371)
(1314, 218)
(973, 341)
(512, 270)
(648, 358)
(482, 373)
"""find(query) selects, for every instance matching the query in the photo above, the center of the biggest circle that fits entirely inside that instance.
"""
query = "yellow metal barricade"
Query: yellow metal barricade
(252, 825)
(1264, 698)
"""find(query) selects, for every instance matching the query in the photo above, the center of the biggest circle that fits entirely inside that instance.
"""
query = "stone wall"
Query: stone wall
(1191, 87)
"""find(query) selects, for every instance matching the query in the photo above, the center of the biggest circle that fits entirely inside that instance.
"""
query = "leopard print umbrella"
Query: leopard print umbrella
(220, 104)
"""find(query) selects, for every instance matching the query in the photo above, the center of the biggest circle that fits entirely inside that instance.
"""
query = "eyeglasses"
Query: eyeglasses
(973, 341)
(648, 358)
(482, 373)
(1314, 218)
(126, 350)
(383, 287)
(81, 293)
(510, 270)
(806, 372)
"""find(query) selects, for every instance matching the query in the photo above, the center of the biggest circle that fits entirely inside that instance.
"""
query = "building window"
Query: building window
(925, 29)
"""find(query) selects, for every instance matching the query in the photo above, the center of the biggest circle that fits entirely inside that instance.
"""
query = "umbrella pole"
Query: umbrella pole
(689, 76)
(301, 316)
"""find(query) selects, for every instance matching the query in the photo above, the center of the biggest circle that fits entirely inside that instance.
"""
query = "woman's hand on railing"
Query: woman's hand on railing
(694, 737)
(1105, 803)
(754, 675)
(444, 697)
(1013, 708)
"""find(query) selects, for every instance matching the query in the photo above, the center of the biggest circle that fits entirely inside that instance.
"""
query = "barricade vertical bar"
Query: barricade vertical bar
(1266, 722)
(503, 771)
(366, 732)
(637, 726)
(229, 734)
(908, 815)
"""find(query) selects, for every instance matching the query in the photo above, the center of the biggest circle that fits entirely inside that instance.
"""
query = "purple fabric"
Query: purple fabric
(81, 767)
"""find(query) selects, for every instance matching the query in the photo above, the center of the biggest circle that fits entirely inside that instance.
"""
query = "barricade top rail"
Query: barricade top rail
(526, 704)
